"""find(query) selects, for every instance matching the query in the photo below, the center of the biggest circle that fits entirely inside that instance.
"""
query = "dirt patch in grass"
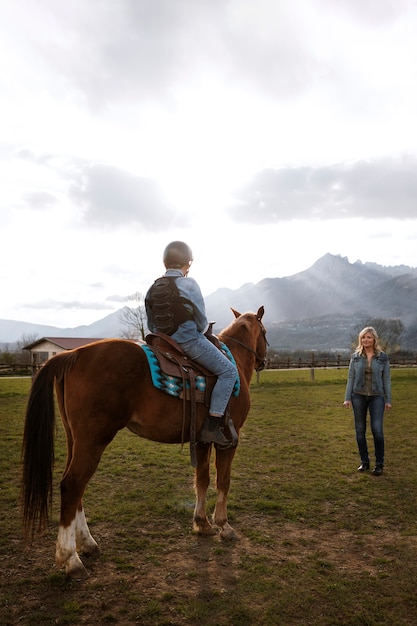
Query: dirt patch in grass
(175, 571)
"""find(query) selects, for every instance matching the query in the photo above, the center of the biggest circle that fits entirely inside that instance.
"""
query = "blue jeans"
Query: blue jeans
(376, 406)
(202, 351)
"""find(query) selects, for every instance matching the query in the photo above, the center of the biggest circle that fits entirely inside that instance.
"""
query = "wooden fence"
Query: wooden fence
(277, 363)
(15, 369)
(336, 361)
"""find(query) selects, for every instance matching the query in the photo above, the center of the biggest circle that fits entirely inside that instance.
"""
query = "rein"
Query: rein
(260, 360)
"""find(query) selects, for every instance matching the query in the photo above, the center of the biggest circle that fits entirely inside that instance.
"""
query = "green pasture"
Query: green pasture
(319, 543)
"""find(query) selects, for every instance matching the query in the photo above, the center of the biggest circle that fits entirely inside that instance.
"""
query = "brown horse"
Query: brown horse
(102, 388)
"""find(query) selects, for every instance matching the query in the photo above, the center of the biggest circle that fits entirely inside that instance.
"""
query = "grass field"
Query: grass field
(319, 543)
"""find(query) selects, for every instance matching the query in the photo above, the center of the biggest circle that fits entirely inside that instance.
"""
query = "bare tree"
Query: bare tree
(133, 319)
(389, 332)
(23, 356)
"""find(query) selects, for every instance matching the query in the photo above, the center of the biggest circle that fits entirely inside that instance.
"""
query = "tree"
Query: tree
(389, 332)
(133, 319)
(22, 355)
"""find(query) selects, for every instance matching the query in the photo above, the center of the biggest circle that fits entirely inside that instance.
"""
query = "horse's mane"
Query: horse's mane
(232, 326)
(227, 329)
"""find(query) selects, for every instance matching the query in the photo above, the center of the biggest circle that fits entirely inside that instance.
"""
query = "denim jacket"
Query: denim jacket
(381, 376)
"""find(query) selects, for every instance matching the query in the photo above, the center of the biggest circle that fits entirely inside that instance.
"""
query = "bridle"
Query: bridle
(261, 361)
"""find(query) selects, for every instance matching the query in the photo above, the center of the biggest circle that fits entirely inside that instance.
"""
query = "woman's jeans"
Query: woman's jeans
(376, 406)
(202, 351)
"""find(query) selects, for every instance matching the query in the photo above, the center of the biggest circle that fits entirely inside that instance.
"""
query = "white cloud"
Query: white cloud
(265, 135)
(370, 189)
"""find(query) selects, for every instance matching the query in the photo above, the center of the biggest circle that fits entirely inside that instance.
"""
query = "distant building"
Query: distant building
(43, 349)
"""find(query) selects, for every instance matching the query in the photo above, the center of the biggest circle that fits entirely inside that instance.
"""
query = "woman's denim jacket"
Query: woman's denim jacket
(381, 376)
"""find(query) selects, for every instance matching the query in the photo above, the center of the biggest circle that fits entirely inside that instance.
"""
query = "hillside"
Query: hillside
(332, 286)
(12, 331)
(317, 309)
(321, 307)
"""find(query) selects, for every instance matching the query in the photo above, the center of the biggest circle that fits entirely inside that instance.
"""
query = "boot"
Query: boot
(212, 432)
(377, 471)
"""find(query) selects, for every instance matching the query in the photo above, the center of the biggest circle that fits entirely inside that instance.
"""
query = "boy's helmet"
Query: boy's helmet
(177, 254)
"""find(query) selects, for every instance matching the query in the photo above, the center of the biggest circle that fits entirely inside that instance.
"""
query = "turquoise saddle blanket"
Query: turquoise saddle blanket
(173, 385)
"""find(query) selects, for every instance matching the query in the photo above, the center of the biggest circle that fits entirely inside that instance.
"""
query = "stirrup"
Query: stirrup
(233, 434)
(212, 432)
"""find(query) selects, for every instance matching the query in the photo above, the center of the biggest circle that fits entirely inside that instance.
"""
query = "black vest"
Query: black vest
(167, 305)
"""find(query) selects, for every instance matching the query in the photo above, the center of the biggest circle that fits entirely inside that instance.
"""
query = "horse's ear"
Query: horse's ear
(235, 313)
(260, 313)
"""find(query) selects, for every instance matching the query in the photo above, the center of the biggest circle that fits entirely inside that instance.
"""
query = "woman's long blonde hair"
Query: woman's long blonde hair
(371, 330)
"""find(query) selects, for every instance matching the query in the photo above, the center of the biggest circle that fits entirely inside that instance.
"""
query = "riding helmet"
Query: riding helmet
(177, 254)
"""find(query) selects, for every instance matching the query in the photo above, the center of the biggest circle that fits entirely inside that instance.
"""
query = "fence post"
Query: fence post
(312, 366)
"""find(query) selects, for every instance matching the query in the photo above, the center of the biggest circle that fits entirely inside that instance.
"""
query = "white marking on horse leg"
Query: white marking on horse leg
(201, 522)
(65, 545)
(200, 507)
(220, 511)
(220, 517)
(85, 542)
(66, 555)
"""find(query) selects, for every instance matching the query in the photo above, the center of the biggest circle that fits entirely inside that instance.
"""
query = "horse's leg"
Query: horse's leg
(85, 542)
(66, 554)
(201, 523)
(77, 532)
(224, 460)
(73, 530)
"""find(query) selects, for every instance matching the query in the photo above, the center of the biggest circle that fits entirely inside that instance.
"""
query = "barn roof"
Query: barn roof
(66, 343)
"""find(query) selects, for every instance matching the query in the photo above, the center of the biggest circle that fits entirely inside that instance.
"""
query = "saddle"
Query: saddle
(175, 363)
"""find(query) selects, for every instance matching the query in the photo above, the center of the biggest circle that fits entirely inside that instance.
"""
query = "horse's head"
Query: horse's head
(251, 335)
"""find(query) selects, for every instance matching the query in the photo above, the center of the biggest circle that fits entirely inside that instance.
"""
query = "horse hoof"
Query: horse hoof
(204, 530)
(75, 569)
(93, 553)
(228, 534)
(79, 573)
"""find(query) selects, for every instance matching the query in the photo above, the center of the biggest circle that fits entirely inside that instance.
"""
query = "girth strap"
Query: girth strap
(193, 418)
(188, 374)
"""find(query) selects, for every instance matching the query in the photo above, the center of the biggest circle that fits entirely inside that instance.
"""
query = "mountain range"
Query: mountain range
(316, 309)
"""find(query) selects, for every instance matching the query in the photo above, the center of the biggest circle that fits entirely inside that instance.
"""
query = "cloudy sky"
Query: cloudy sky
(264, 133)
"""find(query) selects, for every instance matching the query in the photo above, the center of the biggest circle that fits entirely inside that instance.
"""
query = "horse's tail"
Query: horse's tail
(38, 445)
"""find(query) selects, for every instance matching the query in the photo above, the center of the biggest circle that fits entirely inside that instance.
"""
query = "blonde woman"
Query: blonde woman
(369, 388)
